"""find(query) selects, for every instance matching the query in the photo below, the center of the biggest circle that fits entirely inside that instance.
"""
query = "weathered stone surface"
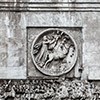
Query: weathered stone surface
(21, 21)
(91, 42)
(93, 73)
(54, 19)
(17, 16)
(12, 45)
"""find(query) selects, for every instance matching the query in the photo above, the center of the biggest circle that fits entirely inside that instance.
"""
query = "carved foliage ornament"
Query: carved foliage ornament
(54, 52)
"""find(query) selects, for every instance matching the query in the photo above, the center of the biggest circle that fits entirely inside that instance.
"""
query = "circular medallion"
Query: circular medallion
(54, 52)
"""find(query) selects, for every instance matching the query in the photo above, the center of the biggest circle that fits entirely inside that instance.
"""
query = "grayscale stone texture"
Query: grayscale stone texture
(20, 23)
(20, 19)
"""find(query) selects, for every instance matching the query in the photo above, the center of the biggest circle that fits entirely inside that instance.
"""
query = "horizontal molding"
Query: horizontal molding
(54, 2)
(50, 6)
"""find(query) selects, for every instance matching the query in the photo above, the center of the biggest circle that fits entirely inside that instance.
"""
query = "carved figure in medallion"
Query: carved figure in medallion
(54, 52)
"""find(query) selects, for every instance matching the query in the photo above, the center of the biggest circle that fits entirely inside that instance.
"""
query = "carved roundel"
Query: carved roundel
(54, 52)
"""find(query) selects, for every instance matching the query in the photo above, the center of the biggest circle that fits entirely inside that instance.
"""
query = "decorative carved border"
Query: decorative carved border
(38, 89)
(50, 6)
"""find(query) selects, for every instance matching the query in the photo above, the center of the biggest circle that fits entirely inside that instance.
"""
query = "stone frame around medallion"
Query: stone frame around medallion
(38, 73)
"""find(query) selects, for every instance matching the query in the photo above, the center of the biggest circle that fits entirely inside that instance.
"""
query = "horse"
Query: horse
(59, 52)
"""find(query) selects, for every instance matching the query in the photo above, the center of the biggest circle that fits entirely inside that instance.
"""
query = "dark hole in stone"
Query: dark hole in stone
(9, 98)
(32, 99)
(71, 55)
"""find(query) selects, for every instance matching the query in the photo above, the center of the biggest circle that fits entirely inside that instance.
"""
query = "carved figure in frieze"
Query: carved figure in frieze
(49, 90)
